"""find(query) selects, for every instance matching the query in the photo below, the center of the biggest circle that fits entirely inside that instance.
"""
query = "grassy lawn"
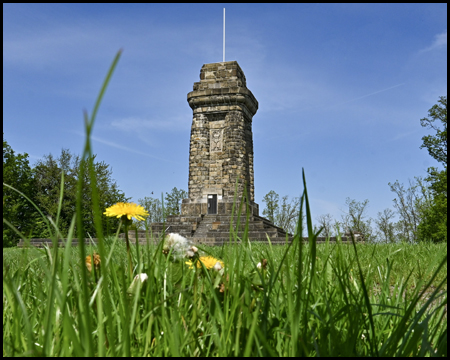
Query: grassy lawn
(420, 259)
(299, 304)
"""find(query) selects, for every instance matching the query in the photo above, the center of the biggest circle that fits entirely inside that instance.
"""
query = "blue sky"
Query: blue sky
(341, 89)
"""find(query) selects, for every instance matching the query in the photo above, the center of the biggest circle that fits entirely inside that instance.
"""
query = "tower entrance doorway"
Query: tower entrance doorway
(212, 204)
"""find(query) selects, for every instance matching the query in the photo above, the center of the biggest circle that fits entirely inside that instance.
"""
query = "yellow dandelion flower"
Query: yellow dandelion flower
(208, 261)
(126, 209)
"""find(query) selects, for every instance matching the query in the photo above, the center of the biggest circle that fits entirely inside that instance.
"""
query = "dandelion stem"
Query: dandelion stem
(128, 250)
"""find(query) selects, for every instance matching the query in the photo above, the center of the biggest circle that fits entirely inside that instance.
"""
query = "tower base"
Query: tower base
(215, 229)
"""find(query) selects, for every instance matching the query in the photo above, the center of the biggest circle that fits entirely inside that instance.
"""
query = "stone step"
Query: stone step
(257, 224)
(221, 241)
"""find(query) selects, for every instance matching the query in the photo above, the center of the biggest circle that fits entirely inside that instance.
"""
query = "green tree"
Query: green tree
(326, 223)
(436, 144)
(355, 220)
(272, 208)
(172, 206)
(154, 209)
(386, 227)
(173, 201)
(282, 213)
(48, 178)
(410, 204)
(47, 173)
(16, 209)
(289, 211)
(434, 220)
(433, 226)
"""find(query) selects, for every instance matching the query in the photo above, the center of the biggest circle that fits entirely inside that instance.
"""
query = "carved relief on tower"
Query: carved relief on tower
(216, 140)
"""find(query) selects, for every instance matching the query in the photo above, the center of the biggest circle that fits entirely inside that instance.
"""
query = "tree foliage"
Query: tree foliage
(410, 204)
(155, 210)
(436, 143)
(16, 209)
(272, 208)
(173, 201)
(48, 177)
(158, 213)
(386, 228)
(433, 226)
(355, 220)
(326, 223)
(282, 213)
(42, 184)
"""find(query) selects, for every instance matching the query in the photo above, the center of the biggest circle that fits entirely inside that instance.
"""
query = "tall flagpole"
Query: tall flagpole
(223, 34)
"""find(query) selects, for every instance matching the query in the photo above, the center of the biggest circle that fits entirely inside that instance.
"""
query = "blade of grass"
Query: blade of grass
(86, 326)
(373, 338)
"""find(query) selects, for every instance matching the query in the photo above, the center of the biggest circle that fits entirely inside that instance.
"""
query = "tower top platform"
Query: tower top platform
(222, 84)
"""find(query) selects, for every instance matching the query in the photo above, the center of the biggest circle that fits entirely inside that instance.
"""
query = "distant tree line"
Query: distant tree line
(42, 185)
(420, 206)
(159, 209)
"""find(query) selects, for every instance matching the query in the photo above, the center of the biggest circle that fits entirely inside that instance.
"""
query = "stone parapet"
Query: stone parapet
(49, 242)
(222, 88)
(218, 236)
(223, 100)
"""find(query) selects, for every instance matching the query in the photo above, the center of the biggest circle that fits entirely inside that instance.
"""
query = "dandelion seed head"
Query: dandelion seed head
(190, 253)
(180, 246)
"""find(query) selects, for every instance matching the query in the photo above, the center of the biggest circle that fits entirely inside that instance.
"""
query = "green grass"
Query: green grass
(254, 316)
(421, 260)
(311, 300)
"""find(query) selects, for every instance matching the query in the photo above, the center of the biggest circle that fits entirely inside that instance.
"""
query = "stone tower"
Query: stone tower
(221, 144)
(220, 156)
